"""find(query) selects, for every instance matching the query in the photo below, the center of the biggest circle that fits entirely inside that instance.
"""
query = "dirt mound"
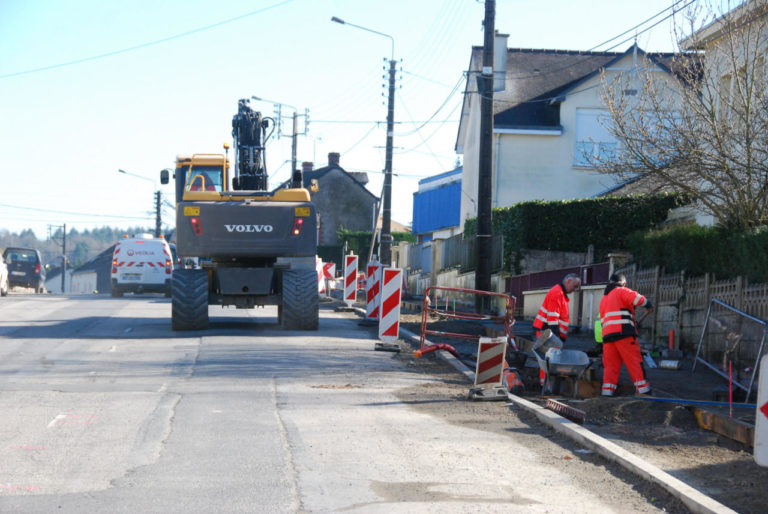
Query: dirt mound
(604, 411)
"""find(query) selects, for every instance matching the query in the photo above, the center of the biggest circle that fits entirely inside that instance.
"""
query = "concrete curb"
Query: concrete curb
(695, 500)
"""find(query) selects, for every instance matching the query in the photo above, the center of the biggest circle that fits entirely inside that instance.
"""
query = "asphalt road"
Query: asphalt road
(105, 409)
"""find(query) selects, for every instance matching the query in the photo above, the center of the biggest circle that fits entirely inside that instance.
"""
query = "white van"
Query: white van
(142, 264)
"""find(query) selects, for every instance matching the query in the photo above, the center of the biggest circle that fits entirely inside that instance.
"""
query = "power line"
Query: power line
(408, 112)
(361, 139)
(145, 45)
(118, 216)
(380, 122)
(549, 70)
(432, 134)
(448, 98)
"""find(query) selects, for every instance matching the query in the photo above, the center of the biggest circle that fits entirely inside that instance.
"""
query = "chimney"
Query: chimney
(333, 159)
(306, 167)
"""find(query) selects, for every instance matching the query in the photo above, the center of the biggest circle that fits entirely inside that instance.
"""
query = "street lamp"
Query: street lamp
(386, 221)
(138, 176)
(157, 199)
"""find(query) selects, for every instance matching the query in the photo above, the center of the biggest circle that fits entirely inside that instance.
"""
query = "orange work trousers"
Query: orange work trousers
(624, 350)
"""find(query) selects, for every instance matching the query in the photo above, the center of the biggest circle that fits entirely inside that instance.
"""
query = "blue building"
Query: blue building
(436, 206)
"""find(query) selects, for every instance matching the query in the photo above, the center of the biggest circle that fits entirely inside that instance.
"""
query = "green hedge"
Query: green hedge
(573, 225)
(358, 242)
(699, 250)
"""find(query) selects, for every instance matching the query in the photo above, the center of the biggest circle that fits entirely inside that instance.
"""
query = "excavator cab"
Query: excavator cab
(204, 178)
(200, 173)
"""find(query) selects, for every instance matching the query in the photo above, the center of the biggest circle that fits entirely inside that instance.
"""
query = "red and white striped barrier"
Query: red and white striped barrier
(320, 278)
(389, 322)
(350, 279)
(372, 290)
(490, 361)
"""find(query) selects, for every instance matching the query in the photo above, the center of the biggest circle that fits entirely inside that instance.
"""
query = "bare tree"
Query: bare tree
(704, 131)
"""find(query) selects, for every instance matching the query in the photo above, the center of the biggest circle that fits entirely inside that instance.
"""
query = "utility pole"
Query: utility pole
(52, 236)
(484, 183)
(385, 246)
(64, 260)
(297, 177)
(294, 177)
(158, 220)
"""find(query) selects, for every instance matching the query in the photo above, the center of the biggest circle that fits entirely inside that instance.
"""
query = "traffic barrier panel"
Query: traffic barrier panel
(389, 322)
(490, 370)
(490, 361)
(320, 277)
(350, 279)
(761, 421)
(372, 290)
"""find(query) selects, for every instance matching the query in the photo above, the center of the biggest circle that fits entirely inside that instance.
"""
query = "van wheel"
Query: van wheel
(4, 288)
(40, 289)
(301, 304)
(189, 299)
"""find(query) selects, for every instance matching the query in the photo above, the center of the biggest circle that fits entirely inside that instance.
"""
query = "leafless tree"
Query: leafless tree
(705, 130)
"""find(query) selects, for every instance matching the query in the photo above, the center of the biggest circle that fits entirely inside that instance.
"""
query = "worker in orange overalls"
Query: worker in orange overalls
(554, 314)
(617, 316)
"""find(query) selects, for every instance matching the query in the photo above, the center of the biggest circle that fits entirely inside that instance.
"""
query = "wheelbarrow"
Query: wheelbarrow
(559, 364)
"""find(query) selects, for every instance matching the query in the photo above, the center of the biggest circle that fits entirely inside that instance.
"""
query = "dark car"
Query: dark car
(25, 268)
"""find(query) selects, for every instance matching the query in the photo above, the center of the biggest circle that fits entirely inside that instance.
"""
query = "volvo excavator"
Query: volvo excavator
(241, 245)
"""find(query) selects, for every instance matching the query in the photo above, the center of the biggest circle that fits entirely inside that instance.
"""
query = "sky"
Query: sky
(89, 87)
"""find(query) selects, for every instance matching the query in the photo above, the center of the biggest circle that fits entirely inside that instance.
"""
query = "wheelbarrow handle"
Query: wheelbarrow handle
(645, 315)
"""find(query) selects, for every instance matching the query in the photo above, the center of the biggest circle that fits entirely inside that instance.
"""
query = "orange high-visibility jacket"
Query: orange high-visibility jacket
(553, 313)
(617, 312)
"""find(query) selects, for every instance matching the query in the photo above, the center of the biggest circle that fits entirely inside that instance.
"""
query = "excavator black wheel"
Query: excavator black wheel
(189, 299)
(301, 303)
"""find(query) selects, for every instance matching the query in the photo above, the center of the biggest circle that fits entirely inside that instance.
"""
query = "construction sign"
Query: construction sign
(761, 423)
(490, 361)
(320, 279)
(329, 270)
(350, 279)
(389, 323)
(372, 290)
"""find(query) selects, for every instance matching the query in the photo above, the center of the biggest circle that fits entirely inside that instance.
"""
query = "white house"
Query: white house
(549, 116)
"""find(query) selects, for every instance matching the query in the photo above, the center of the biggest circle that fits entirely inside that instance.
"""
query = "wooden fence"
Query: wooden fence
(682, 303)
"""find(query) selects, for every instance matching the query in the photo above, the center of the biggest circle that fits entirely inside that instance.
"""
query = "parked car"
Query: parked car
(3, 278)
(25, 268)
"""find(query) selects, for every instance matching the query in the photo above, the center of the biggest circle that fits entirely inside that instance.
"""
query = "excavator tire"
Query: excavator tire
(301, 304)
(189, 299)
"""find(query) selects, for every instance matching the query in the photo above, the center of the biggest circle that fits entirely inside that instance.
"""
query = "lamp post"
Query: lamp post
(157, 199)
(385, 249)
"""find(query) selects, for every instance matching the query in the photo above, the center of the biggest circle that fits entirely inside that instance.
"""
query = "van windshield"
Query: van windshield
(204, 178)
